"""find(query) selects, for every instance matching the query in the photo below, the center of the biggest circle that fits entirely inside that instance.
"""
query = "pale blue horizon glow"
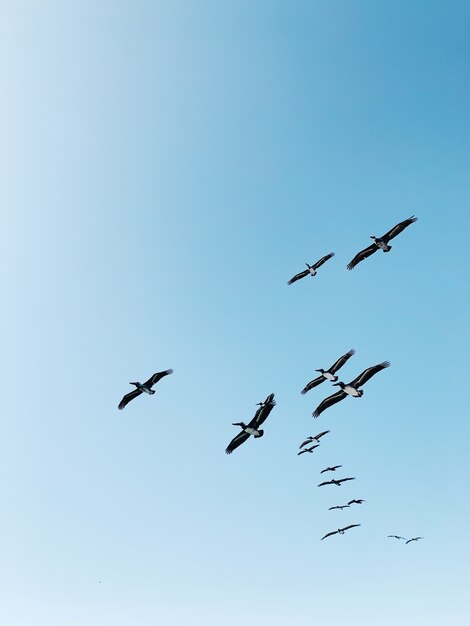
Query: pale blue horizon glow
(167, 167)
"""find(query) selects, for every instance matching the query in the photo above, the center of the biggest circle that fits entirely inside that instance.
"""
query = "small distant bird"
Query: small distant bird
(143, 388)
(381, 242)
(342, 506)
(316, 438)
(253, 427)
(311, 269)
(328, 374)
(311, 449)
(340, 531)
(333, 468)
(413, 539)
(351, 389)
(397, 537)
(335, 481)
(355, 502)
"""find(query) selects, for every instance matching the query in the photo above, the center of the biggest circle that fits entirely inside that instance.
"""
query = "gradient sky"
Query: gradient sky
(166, 168)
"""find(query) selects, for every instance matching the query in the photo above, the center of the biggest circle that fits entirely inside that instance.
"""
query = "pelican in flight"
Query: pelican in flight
(252, 428)
(328, 374)
(335, 481)
(333, 468)
(311, 449)
(355, 502)
(381, 242)
(397, 537)
(340, 531)
(316, 438)
(311, 269)
(350, 389)
(143, 388)
(342, 506)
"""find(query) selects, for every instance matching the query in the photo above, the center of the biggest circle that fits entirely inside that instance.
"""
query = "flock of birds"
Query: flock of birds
(352, 388)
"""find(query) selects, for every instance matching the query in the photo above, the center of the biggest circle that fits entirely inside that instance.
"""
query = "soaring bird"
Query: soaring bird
(316, 438)
(381, 242)
(253, 427)
(397, 537)
(351, 389)
(340, 531)
(328, 374)
(333, 468)
(413, 539)
(143, 388)
(311, 449)
(343, 506)
(355, 502)
(335, 481)
(311, 269)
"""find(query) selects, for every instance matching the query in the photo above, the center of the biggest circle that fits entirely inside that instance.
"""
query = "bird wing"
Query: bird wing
(350, 526)
(263, 412)
(324, 259)
(363, 254)
(334, 532)
(341, 361)
(413, 539)
(128, 397)
(327, 402)
(313, 383)
(317, 437)
(326, 482)
(396, 230)
(304, 443)
(298, 277)
(301, 452)
(333, 507)
(313, 447)
(156, 377)
(343, 480)
(237, 441)
(368, 373)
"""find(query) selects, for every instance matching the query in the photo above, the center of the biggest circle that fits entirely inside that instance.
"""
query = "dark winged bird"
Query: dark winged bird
(333, 468)
(343, 506)
(340, 531)
(311, 449)
(351, 389)
(381, 242)
(355, 502)
(397, 537)
(143, 388)
(328, 374)
(316, 438)
(253, 427)
(311, 269)
(413, 539)
(335, 481)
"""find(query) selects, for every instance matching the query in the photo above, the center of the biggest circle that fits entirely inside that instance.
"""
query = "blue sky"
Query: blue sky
(166, 168)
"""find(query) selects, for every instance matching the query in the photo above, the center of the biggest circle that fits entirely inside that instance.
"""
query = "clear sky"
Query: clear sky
(166, 168)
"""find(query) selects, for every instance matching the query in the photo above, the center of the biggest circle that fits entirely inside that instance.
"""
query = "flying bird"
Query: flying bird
(381, 242)
(253, 427)
(328, 374)
(143, 388)
(397, 537)
(356, 502)
(340, 531)
(351, 389)
(343, 506)
(333, 468)
(311, 449)
(413, 539)
(311, 269)
(335, 481)
(316, 438)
